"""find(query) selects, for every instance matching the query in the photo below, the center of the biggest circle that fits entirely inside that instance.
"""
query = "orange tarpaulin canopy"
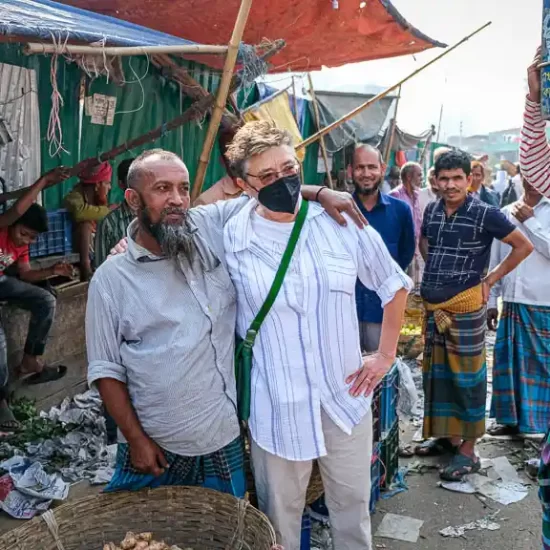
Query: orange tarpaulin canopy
(316, 34)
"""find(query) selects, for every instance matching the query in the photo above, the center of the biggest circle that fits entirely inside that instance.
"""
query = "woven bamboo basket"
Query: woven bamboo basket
(190, 517)
(315, 488)
(410, 346)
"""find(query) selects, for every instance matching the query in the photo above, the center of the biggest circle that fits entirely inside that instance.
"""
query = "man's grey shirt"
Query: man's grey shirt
(166, 329)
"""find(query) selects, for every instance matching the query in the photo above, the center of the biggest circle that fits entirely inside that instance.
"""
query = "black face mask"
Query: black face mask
(282, 195)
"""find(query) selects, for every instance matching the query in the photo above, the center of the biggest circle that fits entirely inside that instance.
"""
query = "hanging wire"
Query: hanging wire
(139, 80)
(55, 131)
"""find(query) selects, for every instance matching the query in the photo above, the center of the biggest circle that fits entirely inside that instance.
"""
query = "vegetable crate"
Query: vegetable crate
(389, 457)
(375, 478)
(57, 240)
(384, 404)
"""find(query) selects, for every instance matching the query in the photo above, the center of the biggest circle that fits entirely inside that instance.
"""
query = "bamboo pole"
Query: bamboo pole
(318, 124)
(195, 111)
(383, 94)
(221, 98)
(187, 49)
(393, 125)
(295, 100)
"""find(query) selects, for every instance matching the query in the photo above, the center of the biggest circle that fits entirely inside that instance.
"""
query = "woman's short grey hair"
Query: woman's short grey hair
(253, 139)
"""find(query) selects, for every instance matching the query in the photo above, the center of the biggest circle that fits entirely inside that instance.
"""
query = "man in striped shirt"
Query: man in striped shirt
(534, 156)
(113, 227)
(534, 152)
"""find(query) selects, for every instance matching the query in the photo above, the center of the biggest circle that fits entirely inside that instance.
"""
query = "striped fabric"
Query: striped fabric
(521, 372)
(544, 491)
(221, 471)
(110, 230)
(455, 377)
(534, 153)
(309, 342)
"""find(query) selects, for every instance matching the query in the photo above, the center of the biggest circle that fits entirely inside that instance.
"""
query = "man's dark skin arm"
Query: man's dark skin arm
(35, 275)
(423, 246)
(23, 204)
(147, 457)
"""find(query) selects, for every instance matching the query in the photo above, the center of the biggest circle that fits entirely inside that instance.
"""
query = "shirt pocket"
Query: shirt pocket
(341, 271)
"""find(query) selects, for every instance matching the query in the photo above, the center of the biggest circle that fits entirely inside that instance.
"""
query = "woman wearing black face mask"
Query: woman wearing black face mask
(310, 390)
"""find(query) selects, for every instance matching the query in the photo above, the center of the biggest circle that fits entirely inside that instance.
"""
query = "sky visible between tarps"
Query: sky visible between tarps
(482, 83)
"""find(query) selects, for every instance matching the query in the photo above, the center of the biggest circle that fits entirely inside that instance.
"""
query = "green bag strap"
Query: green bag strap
(279, 276)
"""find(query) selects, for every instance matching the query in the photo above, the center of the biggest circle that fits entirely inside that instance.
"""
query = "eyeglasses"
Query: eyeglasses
(270, 177)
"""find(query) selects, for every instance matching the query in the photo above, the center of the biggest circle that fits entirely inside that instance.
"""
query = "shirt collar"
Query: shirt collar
(242, 236)
(383, 200)
(135, 250)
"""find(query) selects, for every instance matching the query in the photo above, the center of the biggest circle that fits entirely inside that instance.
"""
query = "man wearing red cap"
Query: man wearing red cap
(88, 203)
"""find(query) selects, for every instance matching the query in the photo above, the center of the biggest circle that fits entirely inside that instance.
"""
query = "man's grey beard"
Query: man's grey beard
(173, 238)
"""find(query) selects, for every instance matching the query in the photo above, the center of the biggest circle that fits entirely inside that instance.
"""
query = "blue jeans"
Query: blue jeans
(41, 305)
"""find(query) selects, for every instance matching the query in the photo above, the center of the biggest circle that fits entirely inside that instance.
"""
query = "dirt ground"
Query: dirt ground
(438, 508)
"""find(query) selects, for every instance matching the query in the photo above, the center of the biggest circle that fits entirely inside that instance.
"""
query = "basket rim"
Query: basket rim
(205, 497)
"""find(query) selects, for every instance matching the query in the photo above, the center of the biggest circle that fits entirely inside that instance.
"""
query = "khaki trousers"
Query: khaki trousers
(281, 487)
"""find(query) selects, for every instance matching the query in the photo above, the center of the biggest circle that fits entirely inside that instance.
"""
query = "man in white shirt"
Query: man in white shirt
(311, 391)
(429, 193)
(521, 372)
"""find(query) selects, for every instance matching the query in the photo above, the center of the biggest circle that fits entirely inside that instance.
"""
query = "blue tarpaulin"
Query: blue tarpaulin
(42, 20)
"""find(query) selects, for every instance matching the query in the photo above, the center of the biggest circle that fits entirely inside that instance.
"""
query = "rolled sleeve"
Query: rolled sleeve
(102, 335)
(104, 369)
(391, 286)
(377, 270)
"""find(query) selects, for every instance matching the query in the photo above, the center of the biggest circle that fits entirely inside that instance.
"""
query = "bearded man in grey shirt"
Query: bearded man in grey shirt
(160, 327)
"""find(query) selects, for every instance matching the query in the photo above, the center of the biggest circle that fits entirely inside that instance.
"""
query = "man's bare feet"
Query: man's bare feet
(30, 365)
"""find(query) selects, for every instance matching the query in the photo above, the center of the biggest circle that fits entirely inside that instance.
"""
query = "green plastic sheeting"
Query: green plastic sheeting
(144, 102)
(153, 102)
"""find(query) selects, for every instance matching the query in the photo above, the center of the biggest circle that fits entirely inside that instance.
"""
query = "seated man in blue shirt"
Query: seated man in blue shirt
(393, 220)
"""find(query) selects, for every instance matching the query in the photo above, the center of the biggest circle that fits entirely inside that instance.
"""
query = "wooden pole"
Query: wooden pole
(187, 49)
(383, 94)
(389, 145)
(439, 123)
(295, 97)
(318, 124)
(221, 98)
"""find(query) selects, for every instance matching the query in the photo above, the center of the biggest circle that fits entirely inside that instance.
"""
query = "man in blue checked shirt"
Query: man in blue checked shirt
(393, 220)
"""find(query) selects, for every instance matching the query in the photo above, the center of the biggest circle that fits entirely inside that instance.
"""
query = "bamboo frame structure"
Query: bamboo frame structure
(389, 145)
(195, 111)
(185, 49)
(221, 99)
(297, 118)
(387, 91)
(318, 124)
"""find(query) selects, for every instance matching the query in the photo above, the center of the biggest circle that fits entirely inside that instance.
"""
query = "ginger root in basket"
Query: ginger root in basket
(140, 541)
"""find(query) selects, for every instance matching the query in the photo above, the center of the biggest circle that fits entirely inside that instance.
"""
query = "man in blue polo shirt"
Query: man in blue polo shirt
(392, 218)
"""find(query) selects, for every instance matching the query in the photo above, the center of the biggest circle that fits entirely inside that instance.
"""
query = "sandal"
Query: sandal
(503, 430)
(8, 422)
(460, 466)
(435, 447)
(47, 374)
